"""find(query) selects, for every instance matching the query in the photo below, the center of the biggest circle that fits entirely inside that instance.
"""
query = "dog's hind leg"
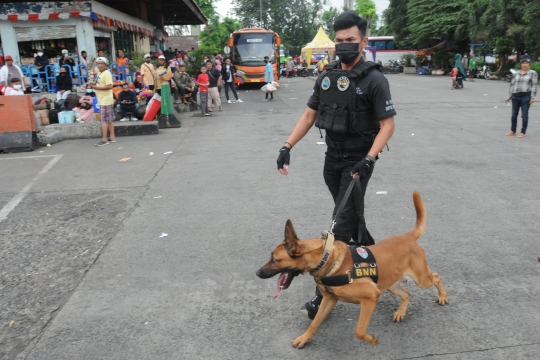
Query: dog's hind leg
(423, 277)
(398, 290)
(368, 302)
(327, 304)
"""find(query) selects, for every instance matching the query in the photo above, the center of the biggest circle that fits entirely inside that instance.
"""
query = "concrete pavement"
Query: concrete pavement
(194, 295)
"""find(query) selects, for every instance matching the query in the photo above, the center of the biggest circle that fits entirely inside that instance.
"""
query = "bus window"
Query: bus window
(391, 45)
(380, 44)
(253, 48)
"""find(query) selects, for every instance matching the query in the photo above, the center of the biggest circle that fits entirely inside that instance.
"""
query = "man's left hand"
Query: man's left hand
(362, 168)
(530, 102)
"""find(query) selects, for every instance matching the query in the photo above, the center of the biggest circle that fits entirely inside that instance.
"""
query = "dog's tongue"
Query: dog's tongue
(281, 280)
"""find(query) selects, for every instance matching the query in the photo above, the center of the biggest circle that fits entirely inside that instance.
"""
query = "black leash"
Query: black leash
(364, 237)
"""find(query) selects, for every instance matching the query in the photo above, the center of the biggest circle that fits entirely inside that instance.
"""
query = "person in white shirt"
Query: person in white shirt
(8, 72)
(227, 73)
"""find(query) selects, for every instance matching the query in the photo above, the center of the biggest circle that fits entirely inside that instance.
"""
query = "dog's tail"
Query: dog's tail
(420, 225)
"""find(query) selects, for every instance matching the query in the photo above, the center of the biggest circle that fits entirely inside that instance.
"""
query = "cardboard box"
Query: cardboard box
(43, 116)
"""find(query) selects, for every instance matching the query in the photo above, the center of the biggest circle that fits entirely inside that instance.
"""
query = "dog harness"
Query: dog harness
(360, 256)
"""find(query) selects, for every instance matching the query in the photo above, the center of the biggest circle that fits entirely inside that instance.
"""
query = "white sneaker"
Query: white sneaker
(239, 100)
(133, 118)
(124, 119)
(229, 101)
(79, 120)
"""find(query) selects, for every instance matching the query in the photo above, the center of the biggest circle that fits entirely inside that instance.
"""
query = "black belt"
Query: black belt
(350, 144)
(522, 94)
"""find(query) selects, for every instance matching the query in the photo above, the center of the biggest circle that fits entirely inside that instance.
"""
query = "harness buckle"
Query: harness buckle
(373, 265)
(348, 272)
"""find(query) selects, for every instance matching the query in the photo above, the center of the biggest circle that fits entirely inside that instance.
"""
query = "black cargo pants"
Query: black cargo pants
(337, 176)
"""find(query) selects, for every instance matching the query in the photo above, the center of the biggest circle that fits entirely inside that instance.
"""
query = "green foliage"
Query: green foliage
(296, 21)
(407, 59)
(328, 17)
(442, 58)
(368, 10)
(216, 36)
(395, 22)
(194, 61)
(137, 60)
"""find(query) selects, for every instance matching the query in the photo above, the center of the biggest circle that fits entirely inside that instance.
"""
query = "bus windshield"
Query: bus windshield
(251, 49)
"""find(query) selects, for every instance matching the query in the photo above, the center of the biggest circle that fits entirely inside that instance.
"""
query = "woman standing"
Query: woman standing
(462, 74)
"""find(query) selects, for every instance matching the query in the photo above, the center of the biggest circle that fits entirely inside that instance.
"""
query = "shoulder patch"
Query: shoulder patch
(325, 84)
(343, 83)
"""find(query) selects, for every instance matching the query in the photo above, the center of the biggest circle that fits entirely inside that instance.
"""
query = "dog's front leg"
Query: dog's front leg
(368, 303)
(327, 304)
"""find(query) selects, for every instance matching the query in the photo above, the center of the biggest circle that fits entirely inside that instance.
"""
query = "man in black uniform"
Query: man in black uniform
(351, 101)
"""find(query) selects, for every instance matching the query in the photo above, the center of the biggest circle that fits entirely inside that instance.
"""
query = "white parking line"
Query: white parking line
(12, 204)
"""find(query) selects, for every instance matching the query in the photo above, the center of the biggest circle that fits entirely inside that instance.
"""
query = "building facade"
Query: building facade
(132, 26)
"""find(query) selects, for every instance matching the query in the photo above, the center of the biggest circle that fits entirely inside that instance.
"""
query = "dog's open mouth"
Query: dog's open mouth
(285, 280)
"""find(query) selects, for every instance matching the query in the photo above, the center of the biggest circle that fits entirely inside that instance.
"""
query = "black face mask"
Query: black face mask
(62, 74)
(347, 52)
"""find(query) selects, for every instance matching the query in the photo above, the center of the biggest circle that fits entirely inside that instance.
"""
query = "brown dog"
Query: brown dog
(396, 257)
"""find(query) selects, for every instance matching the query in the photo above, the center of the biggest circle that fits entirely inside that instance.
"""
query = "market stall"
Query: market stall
(320, 43)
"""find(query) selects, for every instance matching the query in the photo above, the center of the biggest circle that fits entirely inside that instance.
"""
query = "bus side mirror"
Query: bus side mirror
(230, 41)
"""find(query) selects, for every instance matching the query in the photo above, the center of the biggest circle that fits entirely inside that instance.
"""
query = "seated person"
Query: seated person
(63, 85)
(87, 106)
(184, 83)
(16, 88)
(66, 59)
(127, 102)
(138, 83)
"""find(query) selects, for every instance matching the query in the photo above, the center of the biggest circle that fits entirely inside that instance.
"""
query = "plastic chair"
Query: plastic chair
(50, 74)
(115, 74)
(35, 74)
(80, 70)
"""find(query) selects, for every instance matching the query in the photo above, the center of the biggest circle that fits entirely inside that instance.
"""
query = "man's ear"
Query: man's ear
(291, 241)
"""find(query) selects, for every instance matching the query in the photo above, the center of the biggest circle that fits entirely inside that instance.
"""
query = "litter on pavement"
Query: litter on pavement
(163, 235)
(167, 153)
(382, 192)
(321, 143)
(125, 159)
(157, 197)
(151, 153)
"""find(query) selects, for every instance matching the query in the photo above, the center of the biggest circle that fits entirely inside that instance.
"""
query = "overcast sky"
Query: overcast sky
(224, 6)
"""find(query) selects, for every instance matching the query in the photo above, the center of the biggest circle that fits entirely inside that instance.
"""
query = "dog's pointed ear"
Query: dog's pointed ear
(291, 240)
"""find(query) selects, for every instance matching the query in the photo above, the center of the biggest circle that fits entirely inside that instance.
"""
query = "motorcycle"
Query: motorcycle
(483, 72)
(510, 76)
(301, 71)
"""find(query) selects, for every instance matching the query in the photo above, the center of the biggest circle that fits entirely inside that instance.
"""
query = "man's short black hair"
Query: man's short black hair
(125, 84)
(348, 19)
(266, 57)
(83, 52)
(208, 61)
(15, 80)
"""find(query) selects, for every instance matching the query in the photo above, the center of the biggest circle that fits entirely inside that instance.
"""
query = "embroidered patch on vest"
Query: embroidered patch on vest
(343, 83)
(325, 84)
(362, 252)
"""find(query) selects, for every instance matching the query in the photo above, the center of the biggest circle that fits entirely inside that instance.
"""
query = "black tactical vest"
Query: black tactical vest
(338, 111)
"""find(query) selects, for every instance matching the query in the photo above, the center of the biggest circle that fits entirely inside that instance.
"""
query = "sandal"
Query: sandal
(510, 133)
(41, 132)
(521, 135)
(220, 108)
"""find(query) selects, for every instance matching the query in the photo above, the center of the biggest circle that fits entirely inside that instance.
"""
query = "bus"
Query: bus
(387, 49)
(249, 46)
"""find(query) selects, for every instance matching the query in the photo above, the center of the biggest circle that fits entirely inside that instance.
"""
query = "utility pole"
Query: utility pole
(260, 7)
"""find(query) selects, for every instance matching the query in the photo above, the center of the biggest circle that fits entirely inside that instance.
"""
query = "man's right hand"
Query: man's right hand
(283, 160)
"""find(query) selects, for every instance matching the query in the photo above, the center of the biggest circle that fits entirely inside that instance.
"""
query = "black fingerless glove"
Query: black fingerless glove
(363, 168)
(284, 157)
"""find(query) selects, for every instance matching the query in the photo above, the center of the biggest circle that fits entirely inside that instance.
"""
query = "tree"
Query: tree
(396, 21)
(296, 21)
(215, 37)
(328, 17)
(368, 10)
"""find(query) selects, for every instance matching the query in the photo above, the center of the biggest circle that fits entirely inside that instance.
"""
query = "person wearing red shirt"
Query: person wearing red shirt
(203, 81)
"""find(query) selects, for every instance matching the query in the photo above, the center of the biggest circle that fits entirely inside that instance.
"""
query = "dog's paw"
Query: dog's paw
(399, 316)
(369, 339)
(300, 341)
(442, 299)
